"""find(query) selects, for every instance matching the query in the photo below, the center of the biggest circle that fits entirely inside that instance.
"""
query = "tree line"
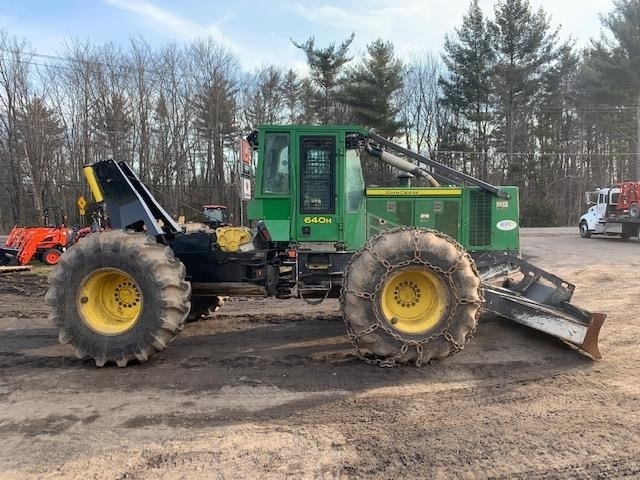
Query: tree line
(506, 100)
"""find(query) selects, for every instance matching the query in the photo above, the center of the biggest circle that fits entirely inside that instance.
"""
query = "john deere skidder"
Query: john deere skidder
(413, 267)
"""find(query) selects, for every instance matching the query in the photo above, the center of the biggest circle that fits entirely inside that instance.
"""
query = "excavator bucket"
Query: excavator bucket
(528, 295)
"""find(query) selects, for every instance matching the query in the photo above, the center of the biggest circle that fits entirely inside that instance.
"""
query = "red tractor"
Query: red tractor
(216, 216)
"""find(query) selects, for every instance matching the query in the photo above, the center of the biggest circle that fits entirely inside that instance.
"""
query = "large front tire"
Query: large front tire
(118, 297)
(410, 295)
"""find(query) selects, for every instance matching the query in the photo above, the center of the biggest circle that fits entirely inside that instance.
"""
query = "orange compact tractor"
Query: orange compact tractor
(44, 243)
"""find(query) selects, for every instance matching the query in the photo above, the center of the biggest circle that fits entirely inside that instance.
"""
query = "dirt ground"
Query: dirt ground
(270, 389)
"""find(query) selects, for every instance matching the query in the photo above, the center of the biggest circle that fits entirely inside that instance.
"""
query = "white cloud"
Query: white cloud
(414, 25)
(582, 26)
(147, 10)
(411, 25)
(167, 20)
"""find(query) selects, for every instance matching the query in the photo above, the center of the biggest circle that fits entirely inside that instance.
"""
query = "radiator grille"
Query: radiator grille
(480, 221)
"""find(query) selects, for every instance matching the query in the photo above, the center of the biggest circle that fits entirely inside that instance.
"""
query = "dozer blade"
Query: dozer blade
(539, 300)
(580, 329)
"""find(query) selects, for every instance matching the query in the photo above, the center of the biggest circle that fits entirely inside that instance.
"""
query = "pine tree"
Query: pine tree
(325, 65)
(467, 86)
(370, 90)
(612, 71)
(525, 49)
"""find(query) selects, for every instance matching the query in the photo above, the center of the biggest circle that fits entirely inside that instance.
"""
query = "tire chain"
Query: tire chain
(406, 343)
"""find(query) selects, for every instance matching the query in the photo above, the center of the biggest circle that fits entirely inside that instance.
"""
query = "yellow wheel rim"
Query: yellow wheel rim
(109, 301)
(413, 300)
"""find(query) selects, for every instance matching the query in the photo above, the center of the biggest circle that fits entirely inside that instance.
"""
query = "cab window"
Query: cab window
(614, 198)
(317, 175)
(354, 183)
(276, 164)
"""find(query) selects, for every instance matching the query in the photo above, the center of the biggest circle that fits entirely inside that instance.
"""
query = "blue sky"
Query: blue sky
(259, 32)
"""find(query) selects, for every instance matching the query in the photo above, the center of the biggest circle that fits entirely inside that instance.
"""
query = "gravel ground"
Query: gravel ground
(269, 388)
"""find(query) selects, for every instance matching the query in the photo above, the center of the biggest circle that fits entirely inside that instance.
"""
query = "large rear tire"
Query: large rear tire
(118, 297)
(410, 295)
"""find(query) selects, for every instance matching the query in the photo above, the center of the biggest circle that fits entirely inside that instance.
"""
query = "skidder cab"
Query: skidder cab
(413, 267)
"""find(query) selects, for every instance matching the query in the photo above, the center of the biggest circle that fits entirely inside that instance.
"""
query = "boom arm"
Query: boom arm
(399, 163)
(438, 170)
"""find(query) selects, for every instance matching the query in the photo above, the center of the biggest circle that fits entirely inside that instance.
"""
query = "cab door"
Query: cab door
(602, 205)
(319, 213)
